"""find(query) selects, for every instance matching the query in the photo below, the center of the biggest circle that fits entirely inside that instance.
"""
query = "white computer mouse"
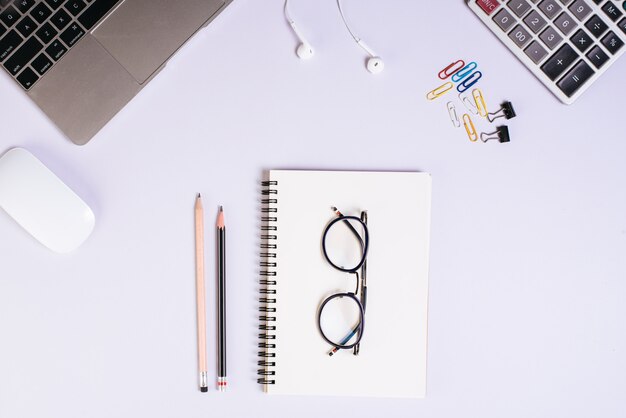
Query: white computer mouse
(41, 203)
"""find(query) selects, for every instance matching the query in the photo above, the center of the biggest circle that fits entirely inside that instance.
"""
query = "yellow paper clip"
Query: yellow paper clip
(480, 102)
(440, 91)
(469, 128)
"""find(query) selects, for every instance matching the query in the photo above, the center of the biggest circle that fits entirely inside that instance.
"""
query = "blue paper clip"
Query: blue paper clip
(464, 72)
(469, 82)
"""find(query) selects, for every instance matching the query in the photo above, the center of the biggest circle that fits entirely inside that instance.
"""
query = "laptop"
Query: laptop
(82, 61)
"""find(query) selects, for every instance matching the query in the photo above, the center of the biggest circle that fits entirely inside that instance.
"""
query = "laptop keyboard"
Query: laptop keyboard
(35, 34)
(568, 44)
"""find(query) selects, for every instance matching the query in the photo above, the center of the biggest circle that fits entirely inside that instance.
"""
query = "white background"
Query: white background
(528, 252)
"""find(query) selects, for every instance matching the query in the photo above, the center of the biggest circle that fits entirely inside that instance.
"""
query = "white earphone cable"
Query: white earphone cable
(354, 36)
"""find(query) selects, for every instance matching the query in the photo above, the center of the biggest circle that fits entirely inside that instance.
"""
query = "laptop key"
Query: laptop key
(95, 12)
(575, 78)
(27, 78)
(72, 34)
(9, 43)
(9, 16)
(61, 19)
(24, 5)
(558, 63)
(23, 55)
(26, 26)
(41, 12)
(75, 6)
(41, 64)
(56, 50)
(46, 33)
(54, 4)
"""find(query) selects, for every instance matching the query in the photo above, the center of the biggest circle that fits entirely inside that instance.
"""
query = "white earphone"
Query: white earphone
(304, 50)
(374, 63)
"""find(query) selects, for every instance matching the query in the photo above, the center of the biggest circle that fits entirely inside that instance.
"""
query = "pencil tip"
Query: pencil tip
(198, 197)
(221, 208)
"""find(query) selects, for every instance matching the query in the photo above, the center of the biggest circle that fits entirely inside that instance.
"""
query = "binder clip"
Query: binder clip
(470, 128)
(477, 94)
(468, 104)
(451, 69)
(453, 115)
(501, 134)
(464, 72)
(506, 111)
(469, 81)
(439, 91)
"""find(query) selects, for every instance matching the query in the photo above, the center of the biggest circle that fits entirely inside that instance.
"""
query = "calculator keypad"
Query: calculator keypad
(566, 40)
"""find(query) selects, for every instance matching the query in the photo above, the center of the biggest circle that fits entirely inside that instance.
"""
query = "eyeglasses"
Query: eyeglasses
(341, 316)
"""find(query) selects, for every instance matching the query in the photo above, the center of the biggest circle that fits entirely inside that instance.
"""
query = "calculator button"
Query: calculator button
(27, 78)
(575, 78)
(581, 40)
(559, 62)
(519, 7)
(580, 9)
(504, 19)
(597, 57)
(536, 52)
(622, 25)
(596, 26)
(488, 6)
(612, 11)
(565, 23)
(520, 36)
(612, 42)
(534, 21)
(550, 8)
(550, 37)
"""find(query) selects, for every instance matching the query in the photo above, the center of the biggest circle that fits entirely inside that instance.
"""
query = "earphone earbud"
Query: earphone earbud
(305, 51)
(375, 65)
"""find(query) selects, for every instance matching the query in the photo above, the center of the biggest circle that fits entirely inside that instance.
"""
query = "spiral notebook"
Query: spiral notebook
(296, 278)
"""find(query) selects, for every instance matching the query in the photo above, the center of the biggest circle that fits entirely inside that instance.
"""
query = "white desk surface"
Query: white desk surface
(528, 251)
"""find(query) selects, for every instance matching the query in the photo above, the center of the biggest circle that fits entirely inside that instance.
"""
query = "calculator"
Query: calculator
(567, 44)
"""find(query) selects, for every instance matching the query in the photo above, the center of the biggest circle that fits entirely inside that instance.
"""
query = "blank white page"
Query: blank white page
(392, 359)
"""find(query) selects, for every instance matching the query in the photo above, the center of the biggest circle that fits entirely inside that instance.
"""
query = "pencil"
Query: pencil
(221, 301)
(200, 295)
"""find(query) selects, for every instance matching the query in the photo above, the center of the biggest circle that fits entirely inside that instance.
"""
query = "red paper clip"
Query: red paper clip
(451, 69)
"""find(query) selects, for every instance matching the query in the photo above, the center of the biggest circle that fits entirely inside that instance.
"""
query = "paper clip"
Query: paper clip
(469, 81)
(506, 111)
(453, 116)
(468, 104)
(464, 72)
(480, 102)
(451, 69)
(469, 128)
(501, 134)
(439, 91)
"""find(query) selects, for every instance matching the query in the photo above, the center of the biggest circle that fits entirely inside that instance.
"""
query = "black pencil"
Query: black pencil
(221, 302)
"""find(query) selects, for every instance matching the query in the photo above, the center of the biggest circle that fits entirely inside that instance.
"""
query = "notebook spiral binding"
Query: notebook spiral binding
(267, 291)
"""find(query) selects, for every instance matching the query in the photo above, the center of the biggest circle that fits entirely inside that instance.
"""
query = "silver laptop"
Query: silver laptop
(81, 61)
